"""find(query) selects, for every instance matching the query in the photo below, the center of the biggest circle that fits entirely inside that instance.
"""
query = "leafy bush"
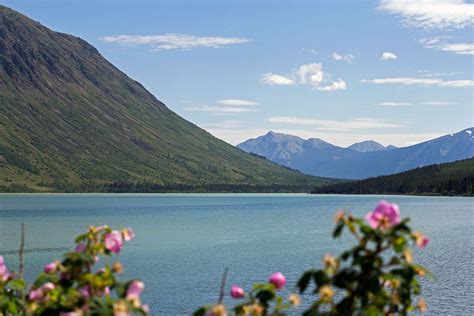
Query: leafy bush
(76, 286)
(375, 277)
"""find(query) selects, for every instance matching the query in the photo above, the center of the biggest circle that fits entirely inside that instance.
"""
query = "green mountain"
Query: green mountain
(454, 178)
(72, 121)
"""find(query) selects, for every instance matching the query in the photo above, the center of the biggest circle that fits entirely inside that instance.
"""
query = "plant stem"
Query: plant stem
(222, 289)
(21, 253)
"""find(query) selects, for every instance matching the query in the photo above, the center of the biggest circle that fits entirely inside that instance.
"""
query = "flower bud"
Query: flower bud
(277, 279)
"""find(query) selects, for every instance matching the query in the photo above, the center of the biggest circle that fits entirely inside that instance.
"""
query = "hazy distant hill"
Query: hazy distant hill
(453, 178)
(369, 145)
(70, 120)
(362, 160)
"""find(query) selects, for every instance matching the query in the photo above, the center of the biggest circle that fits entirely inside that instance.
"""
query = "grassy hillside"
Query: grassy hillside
(454, 178)
(71, 121)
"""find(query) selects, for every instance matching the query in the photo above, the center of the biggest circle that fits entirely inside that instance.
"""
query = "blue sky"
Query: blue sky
(395, 71)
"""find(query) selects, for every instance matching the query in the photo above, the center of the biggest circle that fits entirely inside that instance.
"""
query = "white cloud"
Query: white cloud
(306, 74)
(219, 109)
(439, 43)
(439, 74)
(237, 102)
(335, 85)
(228, 124)
(422, 82)
(333, 125)
(431, 13)
(394, 103)
(349, 57)
(274, 79)
(438, 103)
(173, 41)
(310, 74)
(388, 56)
(434, 103)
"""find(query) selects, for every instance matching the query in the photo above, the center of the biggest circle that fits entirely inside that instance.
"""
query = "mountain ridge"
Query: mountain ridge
(338, 162)
(70, 120)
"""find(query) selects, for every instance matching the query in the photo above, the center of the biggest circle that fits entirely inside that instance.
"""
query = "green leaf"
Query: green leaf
(200, 312)
(17, 284)
(304, 280)
(338, 230)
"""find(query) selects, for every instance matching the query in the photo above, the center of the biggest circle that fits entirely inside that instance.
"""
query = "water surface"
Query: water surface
(184, 241)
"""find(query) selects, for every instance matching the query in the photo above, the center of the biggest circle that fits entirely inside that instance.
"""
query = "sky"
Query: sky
(394, 71)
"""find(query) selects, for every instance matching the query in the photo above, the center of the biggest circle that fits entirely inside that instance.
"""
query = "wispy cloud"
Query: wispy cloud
(422, 82)
(339, 57)
(438, 103)
(228, 124)
(173, 41)
(441, 74)
(395, 103)
(226, 106)
(272, 79)
(219, 109)
(333, 125)
(306, 74)
(388, 56)
(431, 13)
(434, 103)
(439, 43)
(237, 102)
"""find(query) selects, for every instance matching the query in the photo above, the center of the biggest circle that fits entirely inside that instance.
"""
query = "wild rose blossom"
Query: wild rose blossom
(384, 216)
(113, 241)
(236, 292)
(85, 292)
(51, 267)
(135, 289)
(421, 240)
(39, 293)
(4, 273)
(277, 279)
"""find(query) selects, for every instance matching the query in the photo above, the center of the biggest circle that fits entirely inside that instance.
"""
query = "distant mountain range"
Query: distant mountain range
(358, 161)
(72, 121)
(452, 178)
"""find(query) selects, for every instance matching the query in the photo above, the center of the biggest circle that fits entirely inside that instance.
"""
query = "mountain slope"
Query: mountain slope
(449, 178)
(70, 120)
(368, 145)
(337, 162)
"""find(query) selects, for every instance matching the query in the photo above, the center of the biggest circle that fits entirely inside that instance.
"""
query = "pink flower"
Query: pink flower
(135, 288)
(128, 234)
(107, 291)
(80, 248)
(421, 240)
(48, 287)
(113, 241)
(85, 292)
(384, 216)
(36, 295)
(51, 267)
(4, 273)
(68, 314)
(236, 292)
(277, 279)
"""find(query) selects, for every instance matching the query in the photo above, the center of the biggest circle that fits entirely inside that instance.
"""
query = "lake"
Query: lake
(184, 241)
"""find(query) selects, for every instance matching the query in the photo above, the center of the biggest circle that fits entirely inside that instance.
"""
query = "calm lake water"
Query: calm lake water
(184, 241)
